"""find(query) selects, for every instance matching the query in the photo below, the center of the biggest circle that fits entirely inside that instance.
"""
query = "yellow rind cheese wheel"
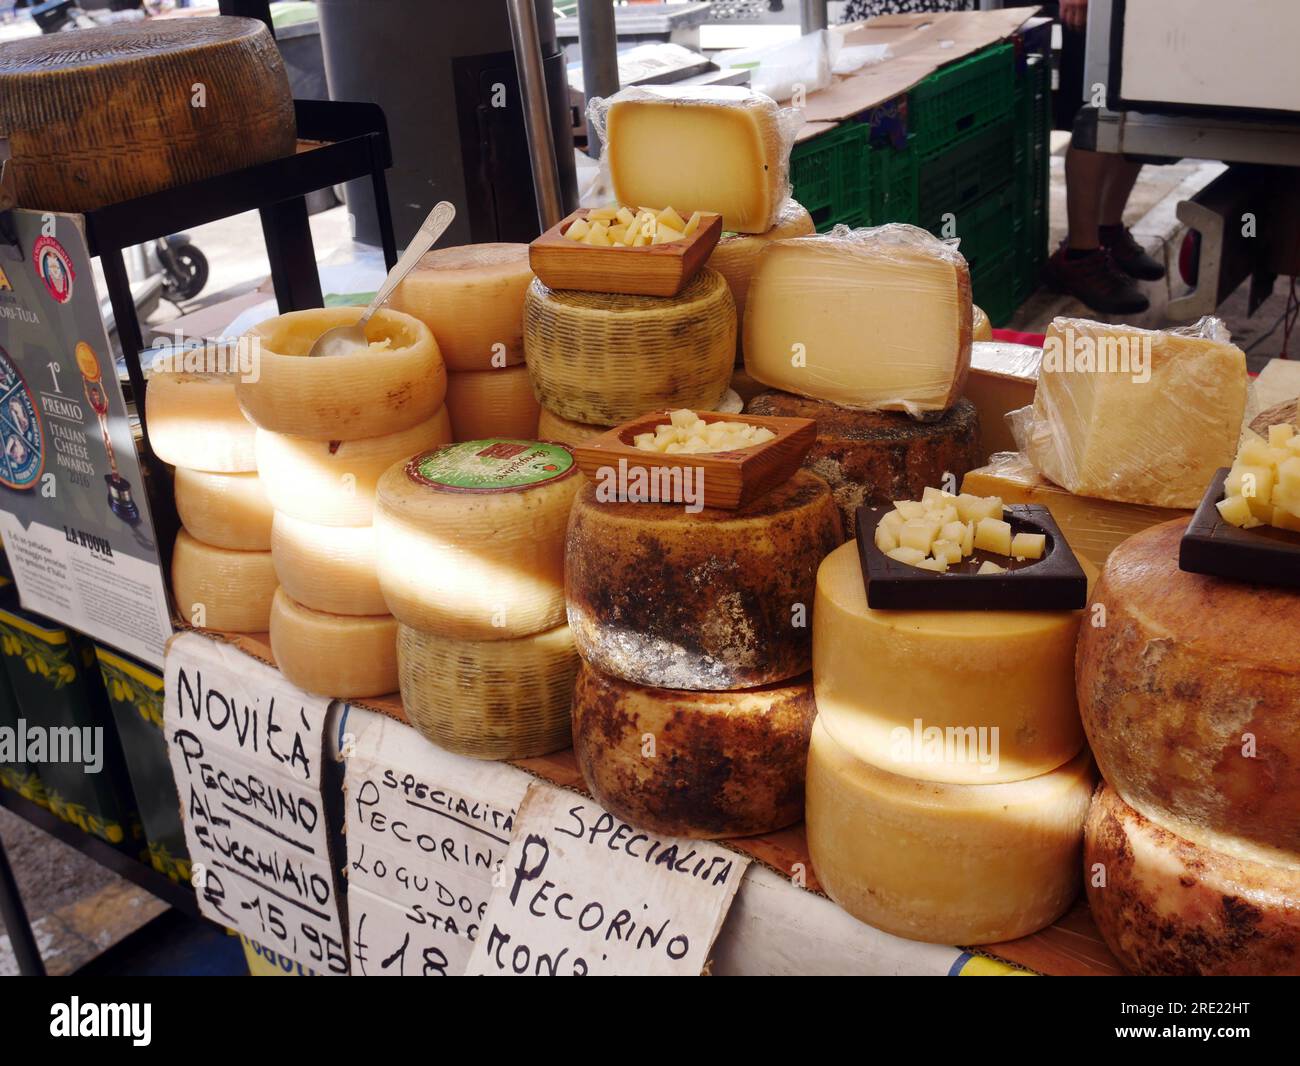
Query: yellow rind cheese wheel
(981, 328)
(216, 588)
(341, 656)
(194, 420)
(723, 764)
(327, 568)
(947, 864)
(377, 390)
(489, 699)
(332, 483)
(551, 426)
(224, 510)
(492, 403)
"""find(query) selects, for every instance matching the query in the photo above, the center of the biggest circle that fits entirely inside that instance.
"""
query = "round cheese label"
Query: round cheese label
(22, 441)
(498, 464)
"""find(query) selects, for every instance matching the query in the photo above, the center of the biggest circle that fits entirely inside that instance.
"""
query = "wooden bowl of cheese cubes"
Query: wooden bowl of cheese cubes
(637, 251)
(696, 458)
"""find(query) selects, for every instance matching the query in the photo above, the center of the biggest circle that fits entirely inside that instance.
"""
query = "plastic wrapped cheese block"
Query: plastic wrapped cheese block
(877, 319)
(343, 656)
(603, 358)
(472, 298)
(1002, 379)
(1136, 415)
(394, 383)
(489, 699)
(327, 568)
(1190, 694)
(194, 420)
(716, 148)
(492, 403)
(720, 764)
(217, 588)
(981, 328)
(471, 538)
(224, 510)
(332, 483)
(1168, 907)
(708, 600)
(967, 697)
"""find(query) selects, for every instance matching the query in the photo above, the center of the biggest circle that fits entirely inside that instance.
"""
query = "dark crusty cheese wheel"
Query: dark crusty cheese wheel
(1285, 413)
(106, 114)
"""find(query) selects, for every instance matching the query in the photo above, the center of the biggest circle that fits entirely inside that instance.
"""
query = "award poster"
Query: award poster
(73, 510)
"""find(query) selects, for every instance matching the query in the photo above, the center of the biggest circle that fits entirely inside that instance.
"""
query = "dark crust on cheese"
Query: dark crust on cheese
(1287, 413)
(719, 769)
(1197, 913)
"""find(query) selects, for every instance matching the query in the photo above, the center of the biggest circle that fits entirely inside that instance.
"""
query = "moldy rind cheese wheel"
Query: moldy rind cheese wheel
(327, 568)
(232, 588)
(999, 685)
(603, 359)
(471, 538)
(1170, 907)
(712, 600)
(551, 426)
(224, 510)
(948, 864)
(332, 483)
(194, 420)
(489, 699)
(724, 764)
(341, 656)
(394, 384)
(492, 403)
(1190, 695)
(472, 297)
(879, 456)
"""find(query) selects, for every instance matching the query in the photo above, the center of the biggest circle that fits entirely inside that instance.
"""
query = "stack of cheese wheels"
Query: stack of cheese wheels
(471, 563)
(1189, 687)
(948, 779)
(222, 576)
(694, 705)
(328, 427)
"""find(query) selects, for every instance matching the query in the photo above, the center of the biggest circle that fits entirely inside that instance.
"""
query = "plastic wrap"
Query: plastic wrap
(1002, 379)
(1135, 415)
(780, 70)
(716, 148)
(873, 319)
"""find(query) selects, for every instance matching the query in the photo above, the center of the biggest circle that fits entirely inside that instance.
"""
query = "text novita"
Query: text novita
(628, 483)
(1064, 353)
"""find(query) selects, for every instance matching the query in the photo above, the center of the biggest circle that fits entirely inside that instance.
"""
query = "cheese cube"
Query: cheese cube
(954, 532)
(932, 498)
(692, 224)
(578, 230)
(886, 539)
(968, 541)
(604, 214)
(990, 567)
(911, 556)
(1279, 435)
(1255, 452)
(1285, 520)
(910, 508)
(993, 535)
(939, 566)
(946, 550)
(625, 216)
(1028, 545)
(973, 508)
(893, 521)
(919, 533)
(1250, 481)
(1234, 510)
(1288, 478)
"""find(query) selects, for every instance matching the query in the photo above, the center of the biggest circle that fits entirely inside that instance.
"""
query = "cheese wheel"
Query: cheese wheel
(216, 588)
(492, 403)
(957, 696)
(981, 328)
(712, 600)
(397, 382)
(472, 297)
(471, 538)
(195, 421)
(489, 699)
(948, 864)
(875, 457)
(112, 112)
(327, 568)
(604, 359)
(694, 764)
(1168, 907)
(332, 483)
(1190, 695)
(341, 656)
(224, 510)
(551, 426)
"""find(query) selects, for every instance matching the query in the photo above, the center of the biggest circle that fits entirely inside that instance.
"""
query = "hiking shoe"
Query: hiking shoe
(1097, 281)
(1128, 254)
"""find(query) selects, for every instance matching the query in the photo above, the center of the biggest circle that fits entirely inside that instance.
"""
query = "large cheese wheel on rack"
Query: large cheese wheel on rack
(216, 588)
(712, 600)
(343, 656)
(1190, 694)
(492, 403)
(195, 421)
(397, 382)
(489, 699)
(1168, 907)
(604, 359)
(551, 426)
(955, 696)
(327, 568)
(332, 483)
(721, 764)
(471, 538)
(115, 112)
(949, 864)
(880, 456)
(224, 510)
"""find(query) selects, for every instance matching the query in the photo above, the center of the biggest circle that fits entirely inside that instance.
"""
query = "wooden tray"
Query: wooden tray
(655, 270)
(730, 479)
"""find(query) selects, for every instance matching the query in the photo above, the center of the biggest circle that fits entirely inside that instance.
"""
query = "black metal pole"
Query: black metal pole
(599, 43)
(14, 914)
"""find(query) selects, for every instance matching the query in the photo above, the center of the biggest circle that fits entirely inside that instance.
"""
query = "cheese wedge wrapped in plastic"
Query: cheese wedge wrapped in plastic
(1135, 415)
(874, 319)
(1002, 379)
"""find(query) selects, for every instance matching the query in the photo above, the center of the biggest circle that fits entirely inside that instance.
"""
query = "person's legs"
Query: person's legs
(1085, 179)
(1121, 174)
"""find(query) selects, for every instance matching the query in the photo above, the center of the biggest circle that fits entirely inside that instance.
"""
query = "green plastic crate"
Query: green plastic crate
(972, 168)
(993, 287)
(958, 99)
(816, 167)
(1032, 166)
(986, 229)
(895, 180)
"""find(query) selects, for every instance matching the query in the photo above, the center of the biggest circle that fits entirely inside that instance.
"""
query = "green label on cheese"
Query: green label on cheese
(498, 464)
